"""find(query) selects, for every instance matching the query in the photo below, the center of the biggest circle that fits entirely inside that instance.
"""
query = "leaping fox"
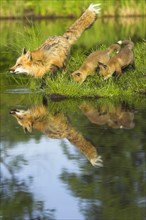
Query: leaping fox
(53, 53)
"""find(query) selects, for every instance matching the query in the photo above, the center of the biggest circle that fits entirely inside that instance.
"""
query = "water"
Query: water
(77, 159)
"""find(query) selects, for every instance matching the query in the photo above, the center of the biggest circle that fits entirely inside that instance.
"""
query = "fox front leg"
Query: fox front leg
(52, 74)
(118, 72)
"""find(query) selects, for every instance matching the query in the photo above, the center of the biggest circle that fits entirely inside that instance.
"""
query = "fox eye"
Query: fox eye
(19, 65)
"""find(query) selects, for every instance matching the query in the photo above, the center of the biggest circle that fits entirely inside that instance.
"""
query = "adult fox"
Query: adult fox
(56, 126)
(53, 53)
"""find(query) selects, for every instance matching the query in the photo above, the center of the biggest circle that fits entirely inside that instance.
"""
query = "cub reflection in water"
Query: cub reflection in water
(115, 116)
(56, 126)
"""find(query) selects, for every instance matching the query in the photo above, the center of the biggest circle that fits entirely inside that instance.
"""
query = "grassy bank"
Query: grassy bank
(16, 35)
(132, 82)
(65, 8)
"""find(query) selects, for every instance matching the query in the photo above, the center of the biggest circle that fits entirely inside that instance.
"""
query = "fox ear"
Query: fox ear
(29, 55)
(101, 65)
(24, 51)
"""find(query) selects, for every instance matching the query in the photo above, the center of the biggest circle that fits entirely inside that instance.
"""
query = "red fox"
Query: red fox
(121, 60)
(56, 126)
(91, 63)
(53, 53)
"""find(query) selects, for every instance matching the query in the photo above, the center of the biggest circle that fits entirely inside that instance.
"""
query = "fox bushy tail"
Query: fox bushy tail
(84, 22)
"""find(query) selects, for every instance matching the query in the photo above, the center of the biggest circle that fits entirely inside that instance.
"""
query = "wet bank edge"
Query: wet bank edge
(60, 97)
(71, 16)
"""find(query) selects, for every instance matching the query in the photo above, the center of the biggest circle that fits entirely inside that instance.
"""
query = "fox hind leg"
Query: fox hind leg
(133, 65)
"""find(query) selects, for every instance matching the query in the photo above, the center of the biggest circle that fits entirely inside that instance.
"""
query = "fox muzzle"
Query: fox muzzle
(12, 71)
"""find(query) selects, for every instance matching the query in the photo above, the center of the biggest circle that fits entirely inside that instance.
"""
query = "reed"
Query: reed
(65, 8)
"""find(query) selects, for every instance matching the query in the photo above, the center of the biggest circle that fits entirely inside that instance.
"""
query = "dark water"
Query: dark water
(74, 159)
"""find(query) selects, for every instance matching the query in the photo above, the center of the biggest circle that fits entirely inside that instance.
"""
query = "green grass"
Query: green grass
(66, 8)
(130, 83)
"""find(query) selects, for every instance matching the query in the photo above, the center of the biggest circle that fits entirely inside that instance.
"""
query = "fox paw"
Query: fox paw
(92, 7)
(97, 162)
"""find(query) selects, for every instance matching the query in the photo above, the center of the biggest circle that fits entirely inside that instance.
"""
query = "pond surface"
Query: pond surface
(74, 159)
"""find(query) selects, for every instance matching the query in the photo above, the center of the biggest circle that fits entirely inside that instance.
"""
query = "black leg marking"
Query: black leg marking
(45, 101)
(43, 83)
(133, 65)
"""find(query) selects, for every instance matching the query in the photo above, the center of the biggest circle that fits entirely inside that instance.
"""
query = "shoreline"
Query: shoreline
(53, 17)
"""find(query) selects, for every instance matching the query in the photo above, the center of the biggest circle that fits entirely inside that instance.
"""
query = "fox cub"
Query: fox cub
(91, 63)
(53, 53)
(121, 60)
(115, 116)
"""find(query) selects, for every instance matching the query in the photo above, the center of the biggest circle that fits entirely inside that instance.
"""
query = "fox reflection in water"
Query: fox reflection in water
(115, 116)
(56, 126)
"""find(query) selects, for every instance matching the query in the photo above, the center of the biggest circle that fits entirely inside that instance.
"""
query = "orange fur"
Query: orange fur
(123, 59)
(91, 63)
(53, 53)
(55, 126)
(115, 117)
